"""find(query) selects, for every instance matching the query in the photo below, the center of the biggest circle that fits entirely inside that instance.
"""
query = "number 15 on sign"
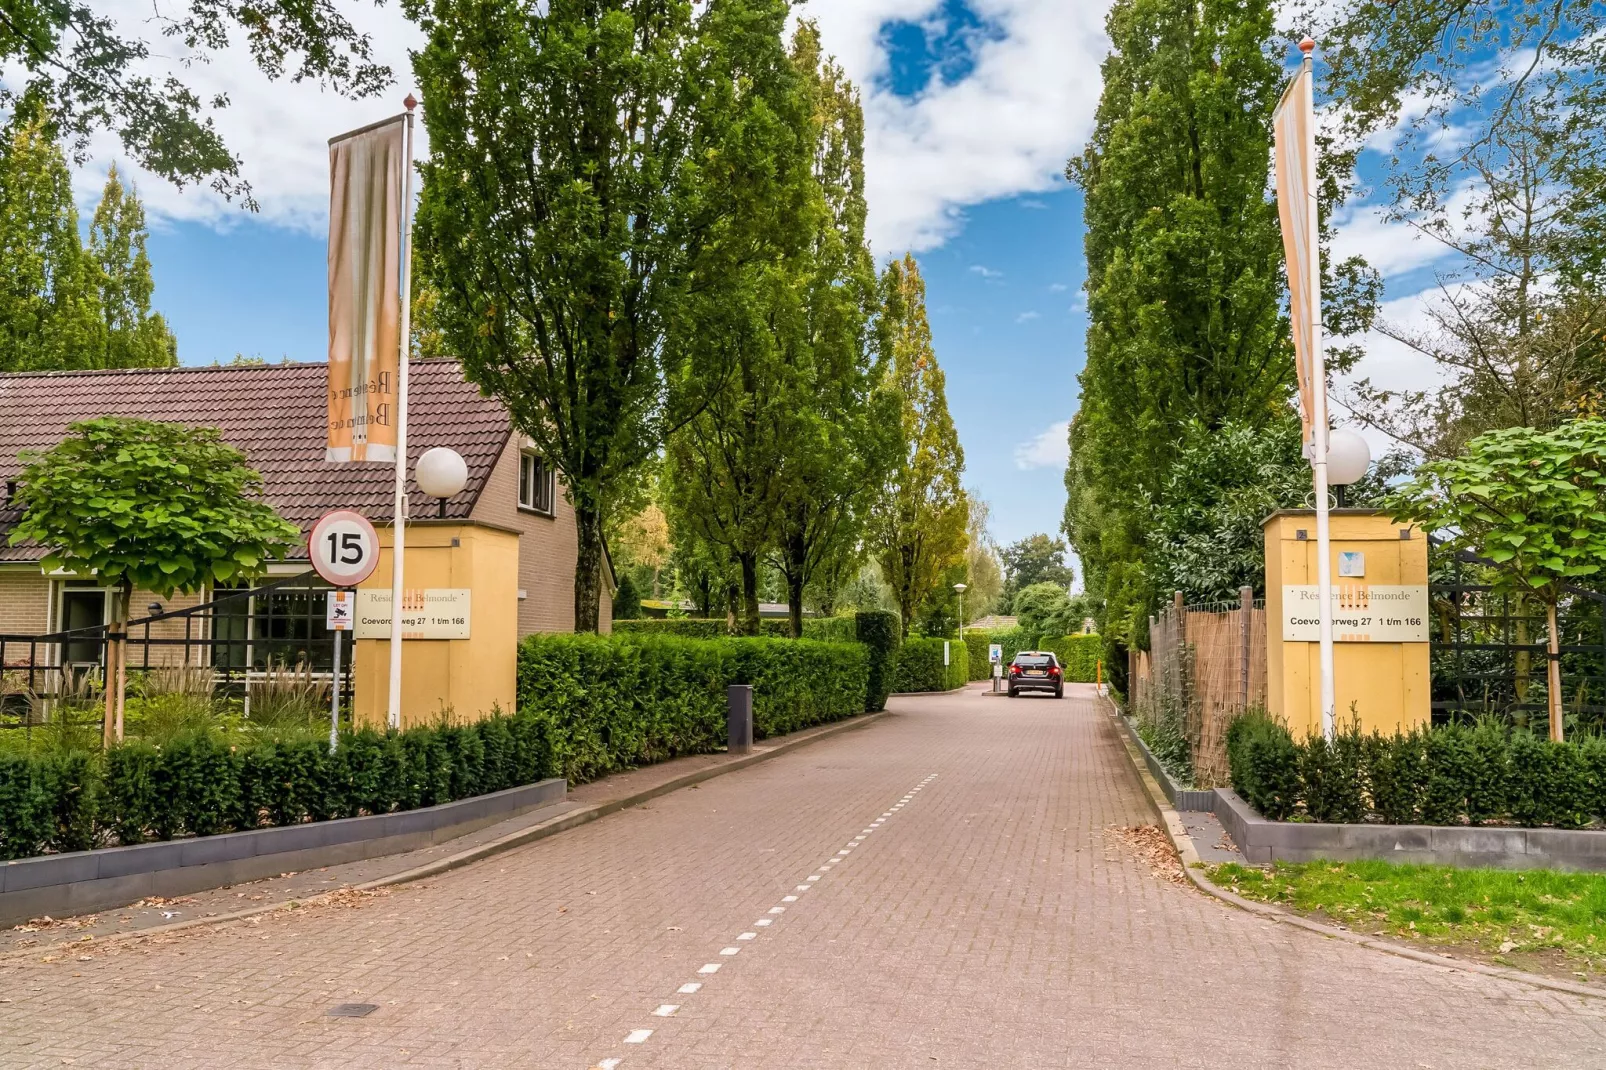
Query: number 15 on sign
(343, 548)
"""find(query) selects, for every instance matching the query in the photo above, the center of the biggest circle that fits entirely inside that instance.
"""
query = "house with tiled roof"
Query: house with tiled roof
(276, 415)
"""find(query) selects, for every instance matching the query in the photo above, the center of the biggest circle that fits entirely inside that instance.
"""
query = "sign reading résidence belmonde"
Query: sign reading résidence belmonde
(1362, 613)
(366, 168)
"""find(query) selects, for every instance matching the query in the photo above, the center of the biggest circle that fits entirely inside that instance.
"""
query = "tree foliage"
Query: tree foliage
(918, 524)
(1036, 559)
(552, 225)
(1047, 610)
(64, 305)
(740, 338)
(1185, 277)
(142, 504)
(1533, 503)
(94, 75)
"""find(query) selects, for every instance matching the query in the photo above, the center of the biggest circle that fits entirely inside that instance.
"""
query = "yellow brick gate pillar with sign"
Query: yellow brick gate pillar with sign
(460, 625)
(1380, 621)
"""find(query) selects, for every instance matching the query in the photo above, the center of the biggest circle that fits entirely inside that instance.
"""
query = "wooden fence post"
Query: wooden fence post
(1246, 613)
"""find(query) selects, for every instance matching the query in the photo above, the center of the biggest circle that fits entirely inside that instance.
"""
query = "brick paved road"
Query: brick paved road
(987, 922)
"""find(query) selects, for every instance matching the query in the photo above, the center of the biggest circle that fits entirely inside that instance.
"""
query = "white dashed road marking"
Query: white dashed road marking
(668, 1010)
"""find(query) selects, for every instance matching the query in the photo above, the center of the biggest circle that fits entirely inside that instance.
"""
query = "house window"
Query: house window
(537, 485)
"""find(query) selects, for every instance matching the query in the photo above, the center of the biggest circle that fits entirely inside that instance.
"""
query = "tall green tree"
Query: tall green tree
(843, 434)
(552, 225)
(135, 336)
(1035, 559)
(1185, 283)
(50, 312)
(740, 338)
(917, 526)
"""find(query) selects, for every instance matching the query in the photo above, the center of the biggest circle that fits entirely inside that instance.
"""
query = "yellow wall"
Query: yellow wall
(1387, 683)
(470, 676)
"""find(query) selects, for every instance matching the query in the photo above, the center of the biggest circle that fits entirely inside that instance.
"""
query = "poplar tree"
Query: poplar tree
(917, 526)
(740, 338)
(844, 424)
(50, 315)
(551, 225)
(135, 337)
(1185, 283)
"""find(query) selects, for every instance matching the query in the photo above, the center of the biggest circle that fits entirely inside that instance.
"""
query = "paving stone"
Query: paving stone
(989, 921)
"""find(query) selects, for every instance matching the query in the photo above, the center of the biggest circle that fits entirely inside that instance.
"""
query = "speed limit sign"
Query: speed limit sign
(344, 548)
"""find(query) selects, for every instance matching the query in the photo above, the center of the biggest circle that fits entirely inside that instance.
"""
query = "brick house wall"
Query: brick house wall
(547, 550)
(24, 601)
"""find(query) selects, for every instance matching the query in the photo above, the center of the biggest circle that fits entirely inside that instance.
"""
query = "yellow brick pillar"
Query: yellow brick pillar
(461, 613)
(1380, 650)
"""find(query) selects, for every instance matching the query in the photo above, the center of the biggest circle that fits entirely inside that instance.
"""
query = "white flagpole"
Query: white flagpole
(399, 537)
(1319, 436)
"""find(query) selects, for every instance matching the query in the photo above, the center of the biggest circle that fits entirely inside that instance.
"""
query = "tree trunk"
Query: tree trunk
(749, 616)
(587, 567)
(794, 603)
(117, 664)
(1553, 664)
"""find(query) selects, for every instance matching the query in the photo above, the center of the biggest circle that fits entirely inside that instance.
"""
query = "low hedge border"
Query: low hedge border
(1487, 774)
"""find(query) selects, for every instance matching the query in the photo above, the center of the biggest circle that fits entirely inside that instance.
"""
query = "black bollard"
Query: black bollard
(739, 718)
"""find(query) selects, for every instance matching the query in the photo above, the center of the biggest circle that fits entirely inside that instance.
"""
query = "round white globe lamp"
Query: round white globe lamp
(961, 589)
(441, 473)
(1348, 457)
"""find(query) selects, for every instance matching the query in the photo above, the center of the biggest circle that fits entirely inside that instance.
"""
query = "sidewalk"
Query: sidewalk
(586, 802)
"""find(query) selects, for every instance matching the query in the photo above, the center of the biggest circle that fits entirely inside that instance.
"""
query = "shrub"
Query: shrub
(1264, 764)
(1396, 775)
(880, 634)
(1330, 772)
(831, 629)
(919, 666)
(1079, 654)
(1450, 763)
(1489, 771)
(700, 627)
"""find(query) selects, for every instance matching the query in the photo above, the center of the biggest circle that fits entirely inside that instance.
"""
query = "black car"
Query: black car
(1034, 670)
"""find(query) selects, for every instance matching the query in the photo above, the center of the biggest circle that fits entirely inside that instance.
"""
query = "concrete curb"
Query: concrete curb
(1193, 867)
(550, 827)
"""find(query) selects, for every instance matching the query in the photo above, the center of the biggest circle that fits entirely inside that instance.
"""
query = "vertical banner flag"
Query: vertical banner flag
(366, 170)
(1293, 136)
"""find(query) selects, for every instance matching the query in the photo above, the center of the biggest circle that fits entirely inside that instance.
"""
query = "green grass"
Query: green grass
(1529, 917)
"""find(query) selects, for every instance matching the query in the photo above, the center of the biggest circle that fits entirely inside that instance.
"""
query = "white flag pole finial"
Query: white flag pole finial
(1307, 44)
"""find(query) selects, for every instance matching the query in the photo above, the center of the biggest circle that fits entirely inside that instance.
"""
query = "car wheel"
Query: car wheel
(1012, 692)
(1059, 692)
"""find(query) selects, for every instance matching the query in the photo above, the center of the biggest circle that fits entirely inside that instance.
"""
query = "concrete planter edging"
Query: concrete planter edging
(83, 882)
(1483, 847)
(1188, 799)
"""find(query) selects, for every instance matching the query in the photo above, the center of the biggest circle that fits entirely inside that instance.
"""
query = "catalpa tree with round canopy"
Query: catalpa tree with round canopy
(1530, 503)
(156, 506)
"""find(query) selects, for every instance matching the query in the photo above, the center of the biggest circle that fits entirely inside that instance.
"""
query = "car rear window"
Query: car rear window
(1033, 661)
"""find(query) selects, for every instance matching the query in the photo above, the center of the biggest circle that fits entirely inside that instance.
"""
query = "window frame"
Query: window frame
(531, 504)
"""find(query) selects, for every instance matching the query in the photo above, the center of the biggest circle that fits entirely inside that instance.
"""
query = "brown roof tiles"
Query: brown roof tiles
(275, 414)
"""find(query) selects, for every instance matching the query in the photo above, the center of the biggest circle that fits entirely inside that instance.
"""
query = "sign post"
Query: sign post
(338, 616)
(344, 549)
(995, 657)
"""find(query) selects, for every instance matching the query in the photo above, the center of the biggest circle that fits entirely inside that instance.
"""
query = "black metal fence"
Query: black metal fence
(243, 644)
(1489, 651)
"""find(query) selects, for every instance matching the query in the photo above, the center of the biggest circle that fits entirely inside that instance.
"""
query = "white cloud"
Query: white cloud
(1005, 129)
(1391, 364)
(1027, 317)
(985, 272)
(1057, 288)
(1034, 204)
(1050, 449)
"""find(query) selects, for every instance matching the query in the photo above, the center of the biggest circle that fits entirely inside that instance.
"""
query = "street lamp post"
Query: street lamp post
(961, 589)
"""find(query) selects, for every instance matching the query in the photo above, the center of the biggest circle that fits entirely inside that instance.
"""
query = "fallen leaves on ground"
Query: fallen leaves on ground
(1153, 848)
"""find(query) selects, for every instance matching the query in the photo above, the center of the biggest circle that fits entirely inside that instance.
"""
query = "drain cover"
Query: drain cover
(352, 1010)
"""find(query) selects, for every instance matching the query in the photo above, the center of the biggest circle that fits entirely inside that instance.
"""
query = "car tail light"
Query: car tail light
(1014, 670)
(1053, 670)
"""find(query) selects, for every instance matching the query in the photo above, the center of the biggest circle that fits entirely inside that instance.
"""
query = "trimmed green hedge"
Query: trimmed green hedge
(702, 627)
(881, 635)
(1449, 775)
(1079, 654)
(919, 666)
(201, 783)
(588, 705)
